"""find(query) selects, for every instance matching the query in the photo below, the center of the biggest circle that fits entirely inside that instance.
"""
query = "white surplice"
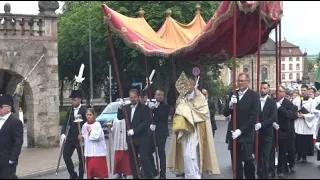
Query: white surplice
(191, 152)
(308, 124)
(119, 135)
(94, 143)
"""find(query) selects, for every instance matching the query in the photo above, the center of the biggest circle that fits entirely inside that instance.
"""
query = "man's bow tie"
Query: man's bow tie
(2, 118)
(133, 106)
(241, 93)
(76, 108)
(262, 100)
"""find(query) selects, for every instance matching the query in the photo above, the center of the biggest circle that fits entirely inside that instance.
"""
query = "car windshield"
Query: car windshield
(111, 108)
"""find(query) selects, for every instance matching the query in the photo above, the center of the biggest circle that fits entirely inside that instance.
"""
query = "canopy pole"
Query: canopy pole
(234, 67)
(258, 86)
(278, 77)
(122, 97)
(279, 53)
(149, 97)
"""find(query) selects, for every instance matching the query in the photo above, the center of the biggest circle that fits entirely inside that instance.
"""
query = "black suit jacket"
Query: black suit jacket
(140, 123)
(11, 140)
(287, 112)
(248, 109)
(212, 108)
(160, 119)
(267, 116)
(74, 131)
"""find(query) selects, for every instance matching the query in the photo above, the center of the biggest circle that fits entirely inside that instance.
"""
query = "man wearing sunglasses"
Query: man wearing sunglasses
(11, 138)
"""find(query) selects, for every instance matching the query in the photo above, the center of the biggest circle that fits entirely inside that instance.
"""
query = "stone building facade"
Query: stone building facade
(248, 65)
(23, 40)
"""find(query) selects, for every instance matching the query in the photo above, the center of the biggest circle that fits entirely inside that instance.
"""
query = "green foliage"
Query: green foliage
(73, 44)
(311, 66)
(62, 116)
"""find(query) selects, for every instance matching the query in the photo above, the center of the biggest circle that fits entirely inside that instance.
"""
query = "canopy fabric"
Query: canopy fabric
(177, 35)
(215, 38)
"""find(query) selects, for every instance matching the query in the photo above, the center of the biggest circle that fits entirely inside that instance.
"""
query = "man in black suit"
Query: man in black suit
(11, 138)
(212, 108)
(286, 113)
(139, 132)
(248, 109)
(71, 140)
(267, 117)
(161, 112)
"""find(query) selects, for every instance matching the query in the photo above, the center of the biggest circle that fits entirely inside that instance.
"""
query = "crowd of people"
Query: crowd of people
(266, 122)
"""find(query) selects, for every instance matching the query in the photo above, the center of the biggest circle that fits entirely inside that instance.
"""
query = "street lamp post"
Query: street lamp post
(90, 57)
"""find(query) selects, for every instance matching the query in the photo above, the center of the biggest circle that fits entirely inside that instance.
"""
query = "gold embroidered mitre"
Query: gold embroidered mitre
(183, 84)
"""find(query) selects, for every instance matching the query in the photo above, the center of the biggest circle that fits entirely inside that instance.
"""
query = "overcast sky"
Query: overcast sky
(300, 24)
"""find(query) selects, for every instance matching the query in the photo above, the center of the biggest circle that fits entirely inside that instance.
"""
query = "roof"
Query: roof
(286, 44)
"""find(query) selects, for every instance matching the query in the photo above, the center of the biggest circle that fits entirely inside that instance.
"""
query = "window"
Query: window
(264, 74)
(283, 67)
(282, 58)
(297, 66)
(298, 76)
(297, 59)
(283, 76)
(290, 67)
(290, 58)
(245, 70)
(290, 76)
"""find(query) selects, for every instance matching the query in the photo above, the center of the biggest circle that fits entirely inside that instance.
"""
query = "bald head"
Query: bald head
(204, 92)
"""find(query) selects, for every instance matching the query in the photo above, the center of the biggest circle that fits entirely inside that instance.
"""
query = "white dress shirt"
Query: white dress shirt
(3, 119)
(76, 110)
(263, 101)
(133, 110)
(241, 93)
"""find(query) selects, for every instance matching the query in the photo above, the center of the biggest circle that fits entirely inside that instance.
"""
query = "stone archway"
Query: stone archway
(23, 40)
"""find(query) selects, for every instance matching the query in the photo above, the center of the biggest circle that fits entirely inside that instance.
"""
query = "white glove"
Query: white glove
(152, 127)
(257, 126)
(275, 125)
(122, 103)
(317, 145)
(233, 100)
(130, 132)
(236, 133)
(278, 105)
(62, 139)
(112, 129)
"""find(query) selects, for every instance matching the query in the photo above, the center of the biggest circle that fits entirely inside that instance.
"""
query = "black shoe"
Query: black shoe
(155, 174)
(292, 170)
(162, 177)
(119, 176)
(180, 175)
(304, 160)
(281, 175)
(272, 175)
(74, 176)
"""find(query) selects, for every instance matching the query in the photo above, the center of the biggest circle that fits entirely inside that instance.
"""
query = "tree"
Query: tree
(73, 42)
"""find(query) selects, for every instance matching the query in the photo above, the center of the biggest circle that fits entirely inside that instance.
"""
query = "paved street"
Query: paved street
(310, 170)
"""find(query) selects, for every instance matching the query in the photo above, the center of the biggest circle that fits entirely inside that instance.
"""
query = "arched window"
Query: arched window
(264, 74)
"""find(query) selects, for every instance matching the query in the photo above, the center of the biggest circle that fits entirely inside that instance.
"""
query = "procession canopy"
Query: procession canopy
(196, 39)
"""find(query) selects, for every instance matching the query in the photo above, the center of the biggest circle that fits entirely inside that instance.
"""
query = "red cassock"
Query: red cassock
(121, 162)
(97, 167)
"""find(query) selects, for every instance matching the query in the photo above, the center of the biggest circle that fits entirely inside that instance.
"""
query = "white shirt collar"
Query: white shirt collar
(133, 105)
(264, 98)
(77, 107)
(244, 91)
(6, 116)
(281, 100)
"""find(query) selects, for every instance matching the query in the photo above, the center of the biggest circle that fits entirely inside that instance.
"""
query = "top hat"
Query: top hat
(76, 94)
(6, 99)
